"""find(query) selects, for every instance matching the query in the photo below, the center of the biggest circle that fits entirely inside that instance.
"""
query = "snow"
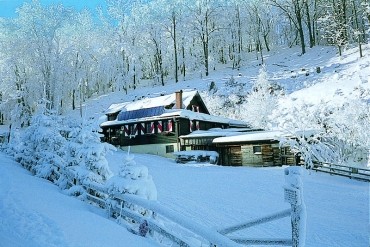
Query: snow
(150, 102)
(216, 132)
(197, 153)
(211, 197)
(225, 196)
(253, 136)
(35, 212)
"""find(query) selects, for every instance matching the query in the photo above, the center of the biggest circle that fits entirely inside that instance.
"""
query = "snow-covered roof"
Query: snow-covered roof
(181, 113)
(113, 108)
(252, 136)
(165, 100)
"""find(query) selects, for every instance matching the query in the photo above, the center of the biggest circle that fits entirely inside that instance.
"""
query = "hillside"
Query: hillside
(340, 78)
(211, 196)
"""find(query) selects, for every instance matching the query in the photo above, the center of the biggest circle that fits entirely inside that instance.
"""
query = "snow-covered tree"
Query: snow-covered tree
(334, 26)
(307, 133)
(261, 101)
(294, 11)
(227, 102)
(40, 146)
(133, 179)
(349, 127)
(85, 153)
(328, 133)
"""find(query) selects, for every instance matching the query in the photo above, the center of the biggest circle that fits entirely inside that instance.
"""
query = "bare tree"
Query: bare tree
(205, 25)
(294, 11)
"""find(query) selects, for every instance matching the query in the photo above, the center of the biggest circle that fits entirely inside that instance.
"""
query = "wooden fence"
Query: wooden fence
(175, 227)
(362, 174)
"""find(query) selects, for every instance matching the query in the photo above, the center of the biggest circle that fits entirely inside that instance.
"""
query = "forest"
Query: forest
(65, 56)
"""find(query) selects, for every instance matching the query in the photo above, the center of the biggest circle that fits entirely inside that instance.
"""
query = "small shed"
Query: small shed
(203, 139)
(257, 148)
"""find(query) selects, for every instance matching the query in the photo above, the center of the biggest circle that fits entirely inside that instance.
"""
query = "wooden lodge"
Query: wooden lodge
(181, 122)
(154, 125)
(238, 147)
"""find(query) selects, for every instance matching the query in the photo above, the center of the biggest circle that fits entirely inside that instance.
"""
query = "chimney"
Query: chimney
(179, 99)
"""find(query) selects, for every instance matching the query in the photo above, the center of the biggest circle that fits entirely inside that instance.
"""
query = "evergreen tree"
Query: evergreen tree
(133, 179)
(85, 153)
(40, 146)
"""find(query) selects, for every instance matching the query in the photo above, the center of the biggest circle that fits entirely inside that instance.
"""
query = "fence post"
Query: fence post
(293, 195)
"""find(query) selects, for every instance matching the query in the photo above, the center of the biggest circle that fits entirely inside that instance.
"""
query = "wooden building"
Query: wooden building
(257, 148)
(154, 125)
(241, 147)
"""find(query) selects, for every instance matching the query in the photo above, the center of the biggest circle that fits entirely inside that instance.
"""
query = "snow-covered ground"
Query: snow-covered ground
(218, 197)
(35, 212)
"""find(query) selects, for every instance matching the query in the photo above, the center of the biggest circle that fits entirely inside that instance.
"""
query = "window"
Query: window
(170, 149)
(257, 149)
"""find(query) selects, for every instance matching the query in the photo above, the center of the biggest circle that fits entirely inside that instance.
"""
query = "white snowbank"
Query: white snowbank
(35, 213)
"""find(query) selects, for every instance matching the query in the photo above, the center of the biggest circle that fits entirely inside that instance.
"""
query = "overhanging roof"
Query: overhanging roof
(179, 113)
(252, 136)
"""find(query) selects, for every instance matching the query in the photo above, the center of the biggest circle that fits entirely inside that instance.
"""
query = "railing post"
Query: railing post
(293, 195)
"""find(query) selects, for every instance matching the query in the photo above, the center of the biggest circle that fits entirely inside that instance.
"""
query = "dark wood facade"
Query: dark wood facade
(160, 131)
(154, 125)
(253, 153)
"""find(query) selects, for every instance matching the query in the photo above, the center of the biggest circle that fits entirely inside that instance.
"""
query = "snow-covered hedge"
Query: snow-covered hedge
(52, 142)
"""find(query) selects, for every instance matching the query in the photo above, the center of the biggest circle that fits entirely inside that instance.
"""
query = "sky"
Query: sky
(8, 7)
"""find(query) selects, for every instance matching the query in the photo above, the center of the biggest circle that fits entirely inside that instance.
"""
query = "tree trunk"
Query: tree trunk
(266, 42)
(183, 62)
(310, 32)
(297, 10)
(175, 46)
(205, 54)
(357, 28)
(73, 99)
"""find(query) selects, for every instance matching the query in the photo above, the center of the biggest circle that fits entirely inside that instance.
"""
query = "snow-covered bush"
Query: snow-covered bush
(227, 102)
(85, 153)
(54, 148)
(133, 179)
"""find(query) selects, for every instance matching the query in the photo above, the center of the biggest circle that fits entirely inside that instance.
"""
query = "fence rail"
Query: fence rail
(99, 195)
(358, 173)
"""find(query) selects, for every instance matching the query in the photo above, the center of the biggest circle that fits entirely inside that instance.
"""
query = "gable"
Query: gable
(195, 102)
